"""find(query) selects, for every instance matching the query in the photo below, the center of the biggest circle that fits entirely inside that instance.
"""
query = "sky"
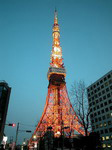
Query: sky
(26, 44)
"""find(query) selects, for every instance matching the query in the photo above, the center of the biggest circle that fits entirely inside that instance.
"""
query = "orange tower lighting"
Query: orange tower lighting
(58, 112)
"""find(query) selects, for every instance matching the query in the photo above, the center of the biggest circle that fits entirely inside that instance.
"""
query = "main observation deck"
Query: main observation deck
(58, 71)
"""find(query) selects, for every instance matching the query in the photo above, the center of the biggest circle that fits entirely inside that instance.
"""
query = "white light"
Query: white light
(56, 49)
(34, 136)
(5, 138)
(35, 146)
(24, 143)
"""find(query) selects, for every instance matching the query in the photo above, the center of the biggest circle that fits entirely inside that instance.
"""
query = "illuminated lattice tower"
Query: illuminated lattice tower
(58, 112)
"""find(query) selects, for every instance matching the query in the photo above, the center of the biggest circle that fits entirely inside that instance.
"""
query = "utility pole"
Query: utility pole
(17, 133)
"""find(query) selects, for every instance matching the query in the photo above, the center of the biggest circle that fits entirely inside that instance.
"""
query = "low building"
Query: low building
(4, 101)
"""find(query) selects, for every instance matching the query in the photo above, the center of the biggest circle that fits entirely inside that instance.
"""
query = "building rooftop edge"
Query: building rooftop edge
(100, 78)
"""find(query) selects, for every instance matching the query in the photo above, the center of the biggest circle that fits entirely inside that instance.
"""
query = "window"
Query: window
(94, 86)
(102, 86)
(101, 81)
(111, 137)
(103, 145)
(105, 103)
(101, 132)
(91, 110)
(89, 99)
(97, 83)
(100, 99)
(103, 138)
(96, 126)
(93, 127)
(110, 107)
(92, 121)
(106, 84)
(93, 98)
(108, 95)
(109, 122)
(107, 89)
(107, 137)
(98, 112)
(97, 101)
(91, 115)
(103, 117)
(108, 116)
(88, 90)
(106, 131)
(96, 119)
(98, 88)
(105, 124)
(110, 129)
(108, 76)
(103, 92)
(95, 91)
(93, 103)
(94, 108)
(102, 111)
(106, 109)
(110, 101)
(88, 95)
(110, 81)
(111, 114)
(98, 132)
(99, 118)
(99, 93)
(95, 114)
(90, 104)
(108, 145)
(98, 107)
(111, 87)
(105, 79)
(96, 96)
(104, 97)
(91, 88)
(91, 93)
(101, 124)
(101, 105)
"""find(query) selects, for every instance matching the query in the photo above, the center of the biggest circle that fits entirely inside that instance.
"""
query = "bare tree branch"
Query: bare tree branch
(78, 95)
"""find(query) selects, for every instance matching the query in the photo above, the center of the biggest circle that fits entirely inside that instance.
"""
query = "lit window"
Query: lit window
(106, 84)
(107, 137)
(108, 145)
(111, 137)
(109, 122)
(104, 145)
(105, 124)
(111, 114)
(103, 138)
(101, 124)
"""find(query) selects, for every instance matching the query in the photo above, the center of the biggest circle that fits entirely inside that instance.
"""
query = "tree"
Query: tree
(78, 95)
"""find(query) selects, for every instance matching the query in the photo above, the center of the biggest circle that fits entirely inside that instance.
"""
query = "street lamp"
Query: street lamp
(17, 131)
(66, 127)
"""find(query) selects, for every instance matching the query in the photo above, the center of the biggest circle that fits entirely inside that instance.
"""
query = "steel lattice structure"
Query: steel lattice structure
(58, 111)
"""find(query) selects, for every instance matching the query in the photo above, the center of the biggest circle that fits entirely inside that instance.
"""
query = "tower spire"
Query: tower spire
(56, 56)
(55, 16)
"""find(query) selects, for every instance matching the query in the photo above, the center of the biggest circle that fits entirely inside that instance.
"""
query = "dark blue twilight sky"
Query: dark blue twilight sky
(26, 43)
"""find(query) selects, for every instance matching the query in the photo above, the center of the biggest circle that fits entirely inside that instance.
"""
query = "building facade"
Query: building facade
(100, 104)
(4, 101)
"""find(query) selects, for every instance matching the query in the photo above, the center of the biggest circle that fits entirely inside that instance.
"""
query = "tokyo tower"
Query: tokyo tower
(58, 111)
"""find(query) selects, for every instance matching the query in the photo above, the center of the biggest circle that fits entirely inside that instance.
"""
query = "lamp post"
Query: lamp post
(17, 131)
(63, 135)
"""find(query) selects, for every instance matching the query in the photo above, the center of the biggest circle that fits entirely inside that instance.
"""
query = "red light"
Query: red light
(13, 125)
